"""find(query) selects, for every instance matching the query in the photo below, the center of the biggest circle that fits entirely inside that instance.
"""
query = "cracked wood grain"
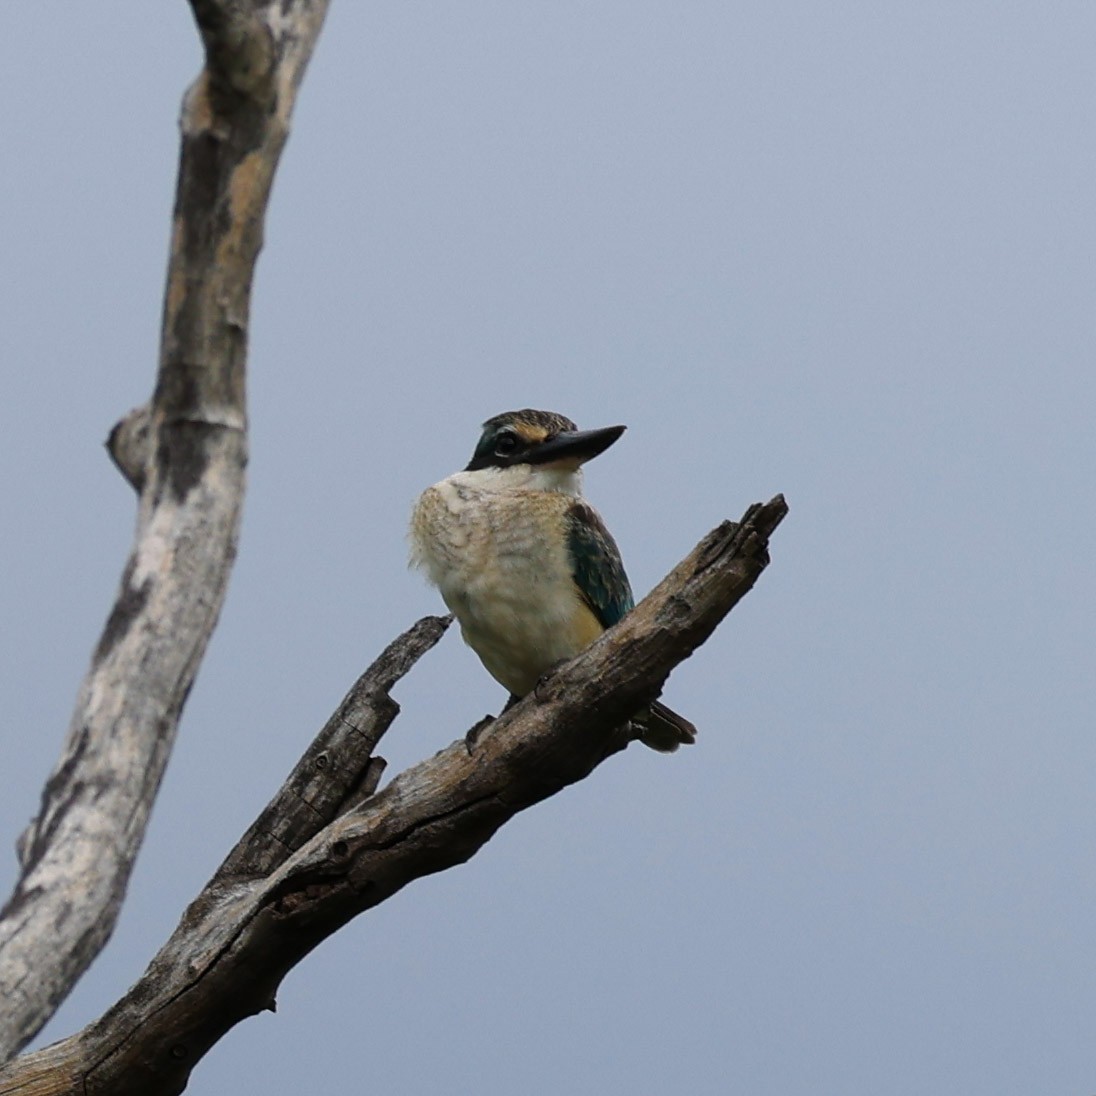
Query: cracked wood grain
(339, 767)
(185, 453)
(242, 934)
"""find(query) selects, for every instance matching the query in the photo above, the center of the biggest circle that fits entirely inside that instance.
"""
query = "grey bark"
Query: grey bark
(185, 453)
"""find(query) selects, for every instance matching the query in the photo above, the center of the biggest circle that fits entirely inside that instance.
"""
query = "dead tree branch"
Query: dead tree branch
(284, 890)
(185, 453)
(338, 770)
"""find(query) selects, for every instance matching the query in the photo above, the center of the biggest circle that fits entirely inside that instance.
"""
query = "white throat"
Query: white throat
(524, 477)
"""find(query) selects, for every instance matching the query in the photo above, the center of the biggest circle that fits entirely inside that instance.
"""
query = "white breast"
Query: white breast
(495, 550)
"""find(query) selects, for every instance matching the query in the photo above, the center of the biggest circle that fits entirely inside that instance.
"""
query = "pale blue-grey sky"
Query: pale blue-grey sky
(844, 251)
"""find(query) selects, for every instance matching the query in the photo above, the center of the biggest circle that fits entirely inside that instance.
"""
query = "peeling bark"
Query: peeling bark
(185, 454)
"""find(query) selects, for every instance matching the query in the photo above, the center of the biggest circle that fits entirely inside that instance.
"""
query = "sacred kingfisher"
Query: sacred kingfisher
(523, 561)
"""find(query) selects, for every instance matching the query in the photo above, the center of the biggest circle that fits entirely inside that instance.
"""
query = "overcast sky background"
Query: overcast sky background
(844, 251)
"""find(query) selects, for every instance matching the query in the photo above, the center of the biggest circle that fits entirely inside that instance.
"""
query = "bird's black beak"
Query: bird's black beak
(578, 446)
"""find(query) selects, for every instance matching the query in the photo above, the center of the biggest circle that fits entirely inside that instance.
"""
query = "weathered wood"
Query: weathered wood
(239, 938)
(338, 768)
(186, 455)
(130, 445)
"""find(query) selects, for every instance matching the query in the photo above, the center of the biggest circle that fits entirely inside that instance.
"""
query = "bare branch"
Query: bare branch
(338, 768)
(186, 455)
(239, 938)
(130, 445)
(239, 47)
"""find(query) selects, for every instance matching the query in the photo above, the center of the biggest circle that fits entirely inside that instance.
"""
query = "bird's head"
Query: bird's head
(540, 439)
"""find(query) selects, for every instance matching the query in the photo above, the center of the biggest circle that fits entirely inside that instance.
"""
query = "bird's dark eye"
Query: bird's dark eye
(505, 444)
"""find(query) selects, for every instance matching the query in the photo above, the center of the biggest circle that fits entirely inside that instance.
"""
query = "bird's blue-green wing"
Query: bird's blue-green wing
(596, 566)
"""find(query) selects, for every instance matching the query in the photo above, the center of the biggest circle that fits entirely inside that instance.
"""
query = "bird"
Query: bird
(524, 562)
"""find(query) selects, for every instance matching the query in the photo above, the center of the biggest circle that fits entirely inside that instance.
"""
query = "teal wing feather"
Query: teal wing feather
(600, 578)
(596, 566)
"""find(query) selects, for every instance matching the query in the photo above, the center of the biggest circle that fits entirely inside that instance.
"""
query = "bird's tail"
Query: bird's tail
(664, 730)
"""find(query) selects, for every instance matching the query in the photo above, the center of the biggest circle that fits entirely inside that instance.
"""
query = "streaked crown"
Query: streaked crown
(537, 437)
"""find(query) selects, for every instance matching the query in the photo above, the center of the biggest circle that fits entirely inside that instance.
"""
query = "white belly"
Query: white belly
(518, 617)
(504, 577)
